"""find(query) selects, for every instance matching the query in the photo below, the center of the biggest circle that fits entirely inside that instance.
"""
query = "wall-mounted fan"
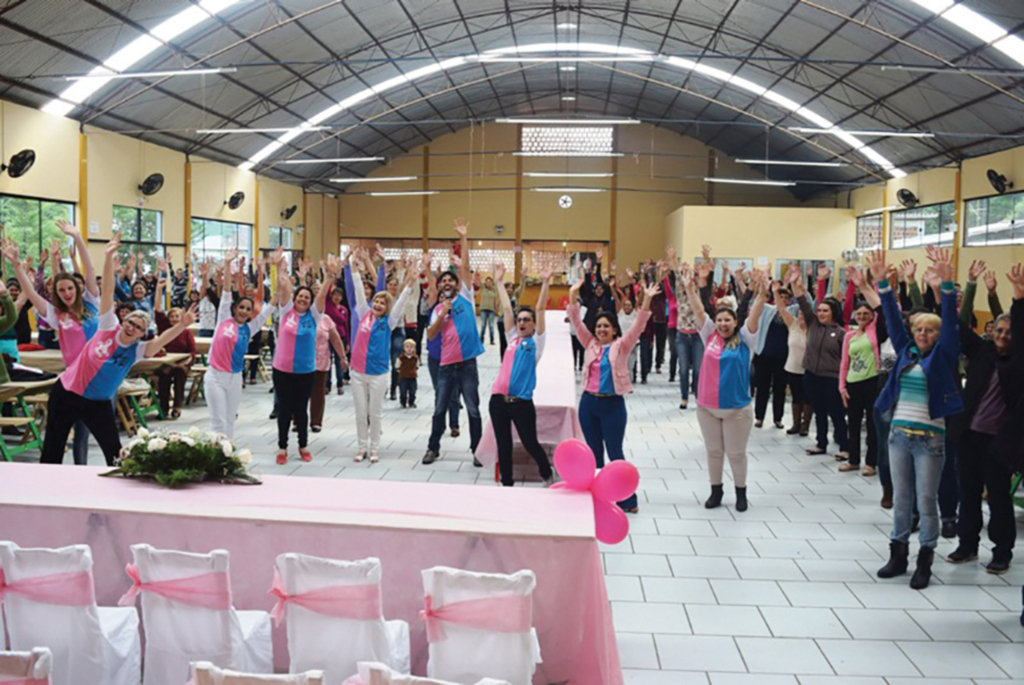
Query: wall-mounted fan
(20, 163)
(998, 181)
(289, 212)
(236, 200)
(152, 184)
(906, 198)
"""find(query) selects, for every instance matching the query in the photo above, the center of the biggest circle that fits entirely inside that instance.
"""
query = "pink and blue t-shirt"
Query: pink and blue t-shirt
(518, 374)
(725, 369)
(460, 341)
(104, 363)
(296, 340)
(73, 334)
(599, 376)
(371, 348)
(231, 340)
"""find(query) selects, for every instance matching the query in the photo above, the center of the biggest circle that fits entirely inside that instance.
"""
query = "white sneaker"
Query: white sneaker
(360, 455)
(374, 457)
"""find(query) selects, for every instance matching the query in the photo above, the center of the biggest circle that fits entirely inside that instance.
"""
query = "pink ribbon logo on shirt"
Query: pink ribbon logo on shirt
(206, 591)
(71, 589)
(503, 614)
(356, 602)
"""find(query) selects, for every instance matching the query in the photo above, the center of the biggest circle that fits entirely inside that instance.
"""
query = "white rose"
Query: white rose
(175, 437)
(194, 432)
(244, 456)
(143, 433)
(135, 442)
(188, 441)
(226, 446)
(156, 444)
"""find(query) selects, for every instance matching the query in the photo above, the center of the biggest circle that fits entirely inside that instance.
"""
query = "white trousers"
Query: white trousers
(223, 395)
(368, 396)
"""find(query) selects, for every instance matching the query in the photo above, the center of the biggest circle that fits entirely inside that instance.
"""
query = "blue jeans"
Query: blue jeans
(433, 367)
(603, 420)
(916, 465)
(487, 321)
(690, 350)
(451, 379)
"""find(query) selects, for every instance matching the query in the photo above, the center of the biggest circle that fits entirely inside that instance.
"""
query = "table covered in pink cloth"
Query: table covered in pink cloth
(554, 397)
(408, 526)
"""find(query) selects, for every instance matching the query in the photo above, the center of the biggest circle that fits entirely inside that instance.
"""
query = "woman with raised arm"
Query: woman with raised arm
(606, 378)
(723, 394)
(85, 390)
(235, 328)
(860, 368)
(923, 390)
(512, 392)
(295, 359)
(176, 376)
(796, 343)
(371, 358)
(72, 310)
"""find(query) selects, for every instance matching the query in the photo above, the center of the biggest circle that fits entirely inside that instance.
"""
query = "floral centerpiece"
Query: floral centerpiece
(175, 459)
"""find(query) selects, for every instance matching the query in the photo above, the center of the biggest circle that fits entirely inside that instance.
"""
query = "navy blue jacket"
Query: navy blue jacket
(940, 366)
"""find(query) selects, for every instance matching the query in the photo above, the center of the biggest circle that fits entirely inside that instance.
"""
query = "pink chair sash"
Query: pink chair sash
(357, 602)
(503, 614)
(206, 591)
(25, 681)
(71, 589)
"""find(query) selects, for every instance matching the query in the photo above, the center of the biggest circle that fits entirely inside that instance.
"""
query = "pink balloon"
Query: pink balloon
(575, 463)
(610, 522)
(616, 481)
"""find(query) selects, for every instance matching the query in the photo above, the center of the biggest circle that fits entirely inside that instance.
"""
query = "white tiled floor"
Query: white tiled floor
(783, 593)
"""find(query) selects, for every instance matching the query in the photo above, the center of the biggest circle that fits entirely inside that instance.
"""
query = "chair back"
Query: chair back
(66, 623)
(323, 631)
(205, 673)
(488, 644)
(178, 632)
(380, 674)
(26, 668)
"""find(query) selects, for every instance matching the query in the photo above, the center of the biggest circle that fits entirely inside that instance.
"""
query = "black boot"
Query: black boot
(716, 497)
(897, 566)
(923, 573)
(741, 499)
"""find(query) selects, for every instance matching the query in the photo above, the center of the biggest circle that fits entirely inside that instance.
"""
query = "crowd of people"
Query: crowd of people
(893, 374)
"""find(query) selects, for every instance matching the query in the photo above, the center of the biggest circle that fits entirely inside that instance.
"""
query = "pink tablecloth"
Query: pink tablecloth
(554, 397)
(408, 526)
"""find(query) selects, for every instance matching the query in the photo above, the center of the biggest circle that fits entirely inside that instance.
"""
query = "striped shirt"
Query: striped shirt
(912, 406)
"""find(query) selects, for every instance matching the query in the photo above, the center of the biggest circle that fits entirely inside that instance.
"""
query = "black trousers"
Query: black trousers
(673, 356)
(255, 345)
(578, 352)
(177, 377)
(64, 409)
(769, 378)
(502, 340)
(646, 356)
(979, 471)
(293, 391)
(823, 394)
(796, 387)
(407, 390)
(862, 402)
(660, 334)
(524, 415)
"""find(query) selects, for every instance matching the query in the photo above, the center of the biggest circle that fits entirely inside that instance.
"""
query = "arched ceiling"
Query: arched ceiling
(384, 76)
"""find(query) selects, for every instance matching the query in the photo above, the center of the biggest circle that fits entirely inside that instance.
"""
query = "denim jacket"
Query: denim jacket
(939, 366)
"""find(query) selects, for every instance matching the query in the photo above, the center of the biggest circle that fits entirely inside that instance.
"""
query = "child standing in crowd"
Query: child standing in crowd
(408, 367)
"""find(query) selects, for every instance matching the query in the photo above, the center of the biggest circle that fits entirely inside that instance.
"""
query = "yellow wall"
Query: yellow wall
(274, 198)
(321, 226)
(55, 140)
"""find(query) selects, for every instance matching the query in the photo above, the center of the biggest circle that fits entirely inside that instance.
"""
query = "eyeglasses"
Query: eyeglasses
(133, 326)
(524, 319)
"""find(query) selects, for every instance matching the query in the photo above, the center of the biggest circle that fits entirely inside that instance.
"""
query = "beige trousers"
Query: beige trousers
(726, 432)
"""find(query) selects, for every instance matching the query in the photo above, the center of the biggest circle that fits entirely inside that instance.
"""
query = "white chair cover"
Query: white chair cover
(89, 644)
(333, 644)
(469, 654)
(21, 666)
(205, 673)
(379, 674)
(177, 634)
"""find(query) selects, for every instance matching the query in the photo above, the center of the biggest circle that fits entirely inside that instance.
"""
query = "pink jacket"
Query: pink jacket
(844, 366)
(617, 355)
(673, 311)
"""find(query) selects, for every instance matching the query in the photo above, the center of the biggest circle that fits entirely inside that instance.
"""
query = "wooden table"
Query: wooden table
(15, 391)
(53, 362)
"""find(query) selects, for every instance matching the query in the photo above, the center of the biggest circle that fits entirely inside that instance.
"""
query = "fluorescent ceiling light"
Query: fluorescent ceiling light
(568, 190)
(141, 47)
(567, 67)
(570, 122)
(890, 208)
(558, 174)
(272, 129)
(866, 134)
(567, 154)
(402, 192)
(781, 162)
(746, 182)
(568, 98)
(568, 58)
(567, 26)
(954, 71)
(154, 74)
(332, 160)
(377, 179)
(978, 25)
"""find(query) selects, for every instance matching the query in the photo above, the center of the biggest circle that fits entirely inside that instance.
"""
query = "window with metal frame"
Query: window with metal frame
(921, 226)
(994, 220)
(32, 222)
(869, 232)
(213, 238)
(141, 234)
